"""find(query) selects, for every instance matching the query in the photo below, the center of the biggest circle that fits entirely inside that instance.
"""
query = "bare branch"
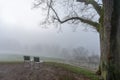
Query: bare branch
(94, 24)
(69, 18)
(94, 3)
(48, 12)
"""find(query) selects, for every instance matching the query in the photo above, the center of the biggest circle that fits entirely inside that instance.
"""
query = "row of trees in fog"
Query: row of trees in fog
(54, 50)
(81, 55)
(78, 54)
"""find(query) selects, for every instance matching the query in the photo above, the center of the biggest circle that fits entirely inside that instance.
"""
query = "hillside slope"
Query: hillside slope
(46, 71)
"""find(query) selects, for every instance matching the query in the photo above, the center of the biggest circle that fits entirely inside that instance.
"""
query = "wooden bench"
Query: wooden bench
(36, 62)
(27, 61)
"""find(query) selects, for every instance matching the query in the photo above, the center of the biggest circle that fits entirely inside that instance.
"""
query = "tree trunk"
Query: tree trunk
(110, 40)
(115, 41)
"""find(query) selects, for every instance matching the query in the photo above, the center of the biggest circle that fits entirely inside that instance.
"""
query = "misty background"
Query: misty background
(21, 33)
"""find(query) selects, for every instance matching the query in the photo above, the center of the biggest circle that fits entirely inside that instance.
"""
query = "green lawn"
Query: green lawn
(75, 69)
(54, 62)
(11, 62)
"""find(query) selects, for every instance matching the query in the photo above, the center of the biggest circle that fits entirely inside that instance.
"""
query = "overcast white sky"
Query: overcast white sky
(20, 23)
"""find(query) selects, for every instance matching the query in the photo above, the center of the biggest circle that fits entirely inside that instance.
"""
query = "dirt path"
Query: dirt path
(45, 72)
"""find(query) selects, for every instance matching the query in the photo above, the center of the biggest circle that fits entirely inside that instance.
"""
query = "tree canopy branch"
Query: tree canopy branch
(89, 22)
(94, 3)
(94, 24)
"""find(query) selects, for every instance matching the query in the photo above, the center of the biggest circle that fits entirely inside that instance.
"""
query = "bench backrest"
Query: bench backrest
(26, 58)
(36, 59)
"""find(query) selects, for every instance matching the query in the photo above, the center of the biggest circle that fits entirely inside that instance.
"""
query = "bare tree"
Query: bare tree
(94, 59)
(80, 54)
(107, 25)
(65, 54)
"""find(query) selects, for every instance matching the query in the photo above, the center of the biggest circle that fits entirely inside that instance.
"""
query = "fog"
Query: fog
(21, 33)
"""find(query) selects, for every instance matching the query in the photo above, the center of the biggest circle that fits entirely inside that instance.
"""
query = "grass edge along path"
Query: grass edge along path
(77, 70)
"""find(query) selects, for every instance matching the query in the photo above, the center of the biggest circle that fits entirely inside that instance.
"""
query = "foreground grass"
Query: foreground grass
(77, 70)
(11, 62)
